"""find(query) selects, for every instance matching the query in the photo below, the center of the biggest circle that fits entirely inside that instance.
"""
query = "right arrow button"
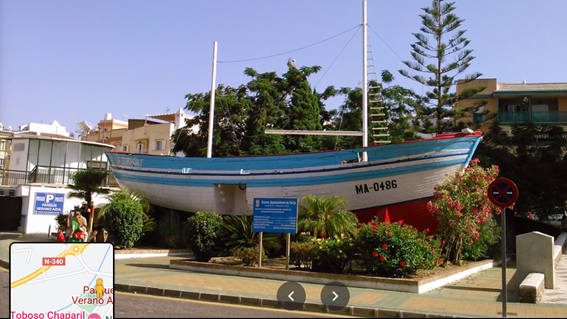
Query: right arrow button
(335, 296)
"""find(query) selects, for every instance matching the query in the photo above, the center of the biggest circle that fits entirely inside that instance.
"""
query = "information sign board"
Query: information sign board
(275, 215)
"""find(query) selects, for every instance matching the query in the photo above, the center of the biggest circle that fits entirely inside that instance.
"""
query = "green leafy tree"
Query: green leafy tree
(326, 217)
(399, 106)
(347, 118)
(266, 109)
(449, 58)
(243, 114)
(534, 157)
(303, 110)
(125, 221)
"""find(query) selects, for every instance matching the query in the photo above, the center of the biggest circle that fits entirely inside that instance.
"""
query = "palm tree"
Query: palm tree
(87, 182)
(238, 233)
(325, 217)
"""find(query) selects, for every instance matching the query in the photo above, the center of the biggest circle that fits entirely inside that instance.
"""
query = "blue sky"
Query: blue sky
(74, 61)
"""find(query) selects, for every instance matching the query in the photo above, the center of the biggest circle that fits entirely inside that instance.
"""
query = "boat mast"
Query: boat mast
(212, 107)
(364, 84)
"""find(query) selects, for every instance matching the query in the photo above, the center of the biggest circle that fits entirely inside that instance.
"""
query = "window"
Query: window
(2, 163)
(125, 148)
(159, 145)
(140, 148)
(2, 145)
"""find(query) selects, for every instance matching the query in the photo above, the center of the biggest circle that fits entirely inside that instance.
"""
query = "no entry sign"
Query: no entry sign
(502, 192)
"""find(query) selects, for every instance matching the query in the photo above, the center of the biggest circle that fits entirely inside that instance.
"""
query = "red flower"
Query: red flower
(402, 263)
(384, 246)
(362, 242)
(419, 240)
(433, 249)
(375, 254)
(382, 258)
(401, 222)
(390, 233)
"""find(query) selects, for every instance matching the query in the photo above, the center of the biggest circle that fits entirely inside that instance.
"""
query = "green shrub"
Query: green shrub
(125, 221)
(483, 246)
(334, 254)
(203, 230)
(302, 253)
(396, 250)
(237, 233)
(249, 255)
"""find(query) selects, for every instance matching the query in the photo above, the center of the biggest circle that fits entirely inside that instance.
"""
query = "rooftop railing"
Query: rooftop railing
(539, 117)
(46, 175)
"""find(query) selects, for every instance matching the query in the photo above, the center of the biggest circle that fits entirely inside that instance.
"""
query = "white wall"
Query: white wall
(33, 222)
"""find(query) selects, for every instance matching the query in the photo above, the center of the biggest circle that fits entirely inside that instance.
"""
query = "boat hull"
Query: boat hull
(399, 177)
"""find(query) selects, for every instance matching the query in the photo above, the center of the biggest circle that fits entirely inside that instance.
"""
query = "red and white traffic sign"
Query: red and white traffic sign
(502, 192)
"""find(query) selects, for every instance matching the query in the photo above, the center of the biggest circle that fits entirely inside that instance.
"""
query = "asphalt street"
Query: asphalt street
(129, 305)
(145, 306)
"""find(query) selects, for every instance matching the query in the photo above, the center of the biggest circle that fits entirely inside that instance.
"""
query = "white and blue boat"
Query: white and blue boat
(400, 177)
(393, 179)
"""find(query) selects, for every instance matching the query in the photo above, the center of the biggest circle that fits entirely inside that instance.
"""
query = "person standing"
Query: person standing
(80, 219)
(75, 230)
(60, 235)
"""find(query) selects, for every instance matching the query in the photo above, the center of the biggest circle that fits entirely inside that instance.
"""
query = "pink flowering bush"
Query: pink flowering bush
(396, 249)
(464, 212)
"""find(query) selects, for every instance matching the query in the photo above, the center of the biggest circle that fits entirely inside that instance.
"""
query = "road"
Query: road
(145, 306)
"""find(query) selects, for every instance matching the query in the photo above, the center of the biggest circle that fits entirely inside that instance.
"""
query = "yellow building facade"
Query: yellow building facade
(509, 103)
(151, 135)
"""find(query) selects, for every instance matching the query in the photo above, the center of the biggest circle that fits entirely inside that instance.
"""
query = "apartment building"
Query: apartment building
(149, 135)
(509, 103)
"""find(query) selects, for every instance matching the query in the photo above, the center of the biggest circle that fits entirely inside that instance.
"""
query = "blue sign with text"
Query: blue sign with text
(275, 215)
(49, 203)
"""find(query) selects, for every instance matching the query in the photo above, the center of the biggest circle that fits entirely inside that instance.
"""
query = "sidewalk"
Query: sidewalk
(475, 296)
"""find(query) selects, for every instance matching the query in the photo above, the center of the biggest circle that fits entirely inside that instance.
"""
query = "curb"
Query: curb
(416, 286)
(271, 303)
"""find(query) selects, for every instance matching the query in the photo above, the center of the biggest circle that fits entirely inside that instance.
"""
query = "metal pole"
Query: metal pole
(503, 238)
(212, 107)
(260, 251)
(364, 84)
(288, 244)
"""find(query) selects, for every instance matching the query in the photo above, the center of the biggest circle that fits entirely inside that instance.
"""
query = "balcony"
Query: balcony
(45, 175)
(540, 117)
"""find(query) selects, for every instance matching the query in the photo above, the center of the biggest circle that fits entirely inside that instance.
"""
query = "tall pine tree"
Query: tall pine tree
(438, 63)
